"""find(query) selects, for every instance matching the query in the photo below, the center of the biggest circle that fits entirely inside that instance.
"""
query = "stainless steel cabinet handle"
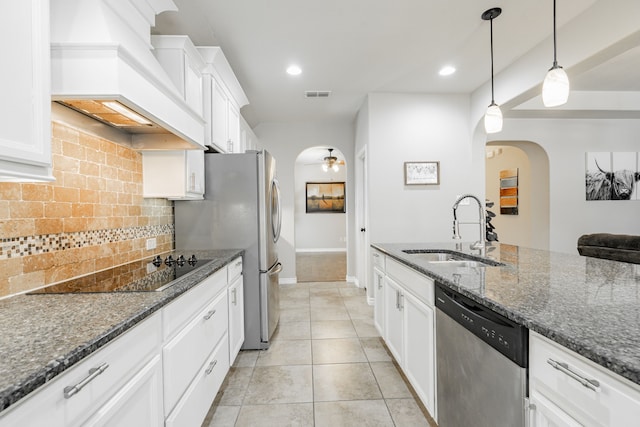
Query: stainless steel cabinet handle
(239, 263)
(379, 282)
(398, 300)
(376, 255)
(234, 299)
(565, 369)
(211, 366)
(209, 314)
(75, 389)
(401, 305)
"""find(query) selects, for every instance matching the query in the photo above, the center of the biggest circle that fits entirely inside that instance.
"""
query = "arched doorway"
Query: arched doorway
(530, 226)
(320, 228)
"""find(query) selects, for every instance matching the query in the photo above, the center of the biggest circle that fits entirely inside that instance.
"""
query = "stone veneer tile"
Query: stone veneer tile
(93, 211)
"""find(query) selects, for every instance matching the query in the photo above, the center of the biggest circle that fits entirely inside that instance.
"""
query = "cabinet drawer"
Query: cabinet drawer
(234, 269)
(378, 259)
(614, 402)
(180, 311)
(420, 286)
(184, 355)
(195, 403)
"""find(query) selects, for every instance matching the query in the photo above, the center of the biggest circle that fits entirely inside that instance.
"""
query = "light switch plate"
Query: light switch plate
(151, 243)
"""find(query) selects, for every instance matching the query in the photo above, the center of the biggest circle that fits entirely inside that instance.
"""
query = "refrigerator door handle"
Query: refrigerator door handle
(275, 269)
(276, 220)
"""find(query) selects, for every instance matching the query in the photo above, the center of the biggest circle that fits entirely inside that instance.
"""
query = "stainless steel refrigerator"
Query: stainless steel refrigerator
(240, 210)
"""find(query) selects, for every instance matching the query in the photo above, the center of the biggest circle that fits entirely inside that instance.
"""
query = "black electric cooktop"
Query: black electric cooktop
(140, 276)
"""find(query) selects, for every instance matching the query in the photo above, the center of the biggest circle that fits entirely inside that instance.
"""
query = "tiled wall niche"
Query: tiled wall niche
(91, 218)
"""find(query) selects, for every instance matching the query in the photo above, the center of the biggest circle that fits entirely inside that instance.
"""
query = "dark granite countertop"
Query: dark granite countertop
(589, 305)
(41, 336)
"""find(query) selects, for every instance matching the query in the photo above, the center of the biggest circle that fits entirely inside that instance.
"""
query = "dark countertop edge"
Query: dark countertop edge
(617, 366)
(13, 394)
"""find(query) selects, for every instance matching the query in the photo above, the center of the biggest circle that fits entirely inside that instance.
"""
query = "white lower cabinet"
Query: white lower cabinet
(409, 327)
(103, 387)
(236, 317)
(545, 413)
(186, 353)
(419, 351)
(166, 370)
(197, 399)
(567, 389)
(138, 403)
(378, 295)
(393, 324)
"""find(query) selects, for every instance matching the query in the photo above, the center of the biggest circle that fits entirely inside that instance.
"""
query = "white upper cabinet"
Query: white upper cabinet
(25, 117)
(248, 139)
(184, 65)
(223, 98)
(173, 174)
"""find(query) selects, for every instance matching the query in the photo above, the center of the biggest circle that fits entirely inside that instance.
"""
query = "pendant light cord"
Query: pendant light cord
(555, 61)
(491, 26)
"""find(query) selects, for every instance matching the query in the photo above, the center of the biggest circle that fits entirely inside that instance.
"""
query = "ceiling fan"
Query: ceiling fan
(331, 162)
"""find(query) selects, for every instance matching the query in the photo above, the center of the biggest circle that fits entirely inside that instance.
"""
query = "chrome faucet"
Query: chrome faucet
(480, 244)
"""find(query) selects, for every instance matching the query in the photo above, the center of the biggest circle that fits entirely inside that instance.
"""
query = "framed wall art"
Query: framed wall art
(325, 197)
(421, 173)
(509, 192)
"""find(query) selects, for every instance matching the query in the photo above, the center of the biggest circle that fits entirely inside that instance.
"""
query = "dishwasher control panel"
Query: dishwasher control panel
(503, 334)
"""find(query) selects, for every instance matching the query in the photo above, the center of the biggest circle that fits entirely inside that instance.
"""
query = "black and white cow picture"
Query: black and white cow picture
(615, 185)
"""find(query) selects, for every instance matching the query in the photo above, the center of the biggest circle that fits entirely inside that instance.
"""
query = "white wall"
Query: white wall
(318, 231)
(419, 127)
(566, 141)
(286, 141)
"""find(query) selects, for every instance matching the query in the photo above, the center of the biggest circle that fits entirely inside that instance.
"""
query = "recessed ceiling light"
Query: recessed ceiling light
(447, 70)
(294, 70)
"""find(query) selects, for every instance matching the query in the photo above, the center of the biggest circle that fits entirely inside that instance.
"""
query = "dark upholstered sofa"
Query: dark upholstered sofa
(617, 247)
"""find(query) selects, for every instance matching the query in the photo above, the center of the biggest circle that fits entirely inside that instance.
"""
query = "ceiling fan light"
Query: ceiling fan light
(325, 167)
(555, 88)
(493, 119)
(335, 167)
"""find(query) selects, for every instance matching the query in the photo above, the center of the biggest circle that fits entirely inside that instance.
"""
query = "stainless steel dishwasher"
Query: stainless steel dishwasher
(481, 364)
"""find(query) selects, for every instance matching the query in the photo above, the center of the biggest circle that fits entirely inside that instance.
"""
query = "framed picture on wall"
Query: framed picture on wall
(325, 197)
(421, 173)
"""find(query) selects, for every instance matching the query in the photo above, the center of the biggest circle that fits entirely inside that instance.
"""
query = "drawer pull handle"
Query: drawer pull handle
(376, 255)
(234, 300)
(564, 368)
(211, 366)
(209, 314)
(70, 391)
(239, 263)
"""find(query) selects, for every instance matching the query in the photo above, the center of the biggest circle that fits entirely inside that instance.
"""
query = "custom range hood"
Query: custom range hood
(102, 65)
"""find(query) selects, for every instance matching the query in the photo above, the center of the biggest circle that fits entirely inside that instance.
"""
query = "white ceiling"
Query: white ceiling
(354, 47)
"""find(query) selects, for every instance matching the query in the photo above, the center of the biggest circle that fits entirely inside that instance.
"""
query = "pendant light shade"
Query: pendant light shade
(555, 88)
(493, 116)
(493, 119)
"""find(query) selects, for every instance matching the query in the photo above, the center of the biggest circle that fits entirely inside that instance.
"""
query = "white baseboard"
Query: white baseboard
(287, 280)
(322, 250)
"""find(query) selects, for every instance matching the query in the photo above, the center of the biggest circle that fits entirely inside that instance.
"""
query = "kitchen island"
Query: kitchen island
(42, 336)
(582, 359)
(588, 305)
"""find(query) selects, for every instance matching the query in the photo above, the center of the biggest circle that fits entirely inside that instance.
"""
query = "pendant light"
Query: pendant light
(493, 116)
(555, 89)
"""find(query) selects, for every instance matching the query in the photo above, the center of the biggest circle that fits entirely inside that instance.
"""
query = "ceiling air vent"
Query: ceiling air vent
(317, 93)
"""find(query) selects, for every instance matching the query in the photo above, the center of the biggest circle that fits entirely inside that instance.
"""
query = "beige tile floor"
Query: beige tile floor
(327, 366)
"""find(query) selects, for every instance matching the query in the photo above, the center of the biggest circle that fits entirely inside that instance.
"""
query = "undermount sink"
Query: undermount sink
(450, 258)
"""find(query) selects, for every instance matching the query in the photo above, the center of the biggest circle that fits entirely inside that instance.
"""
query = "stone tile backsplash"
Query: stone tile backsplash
(91, 218)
